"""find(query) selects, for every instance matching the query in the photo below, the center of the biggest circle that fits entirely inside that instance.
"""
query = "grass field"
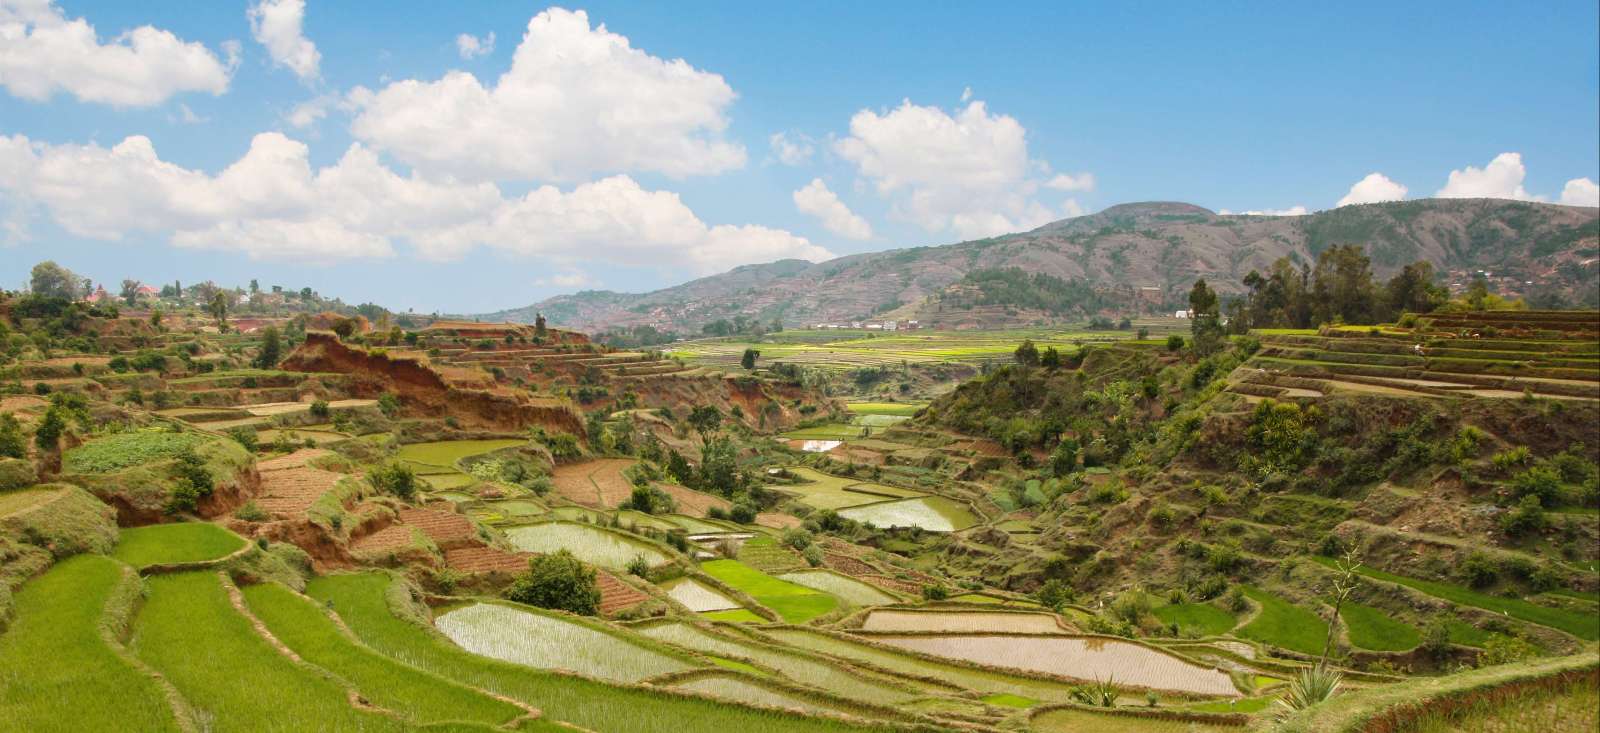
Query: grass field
(733, 615)
(1371, 628)
(12, 502)
(1581, 625)
(844, 587)
(796, 604)
(1075, 721)
(1202, 619)
(1284, 624)
(855, 348)
(361, 601)
(56, 672)
(825, 491)
(1573, 709)
(1010, 701)
(424, 698)
(900, 409)
(445, 453)
(174, 543)
(190, 633)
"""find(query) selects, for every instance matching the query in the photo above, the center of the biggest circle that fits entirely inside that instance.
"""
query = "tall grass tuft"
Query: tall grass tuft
(1313, 685)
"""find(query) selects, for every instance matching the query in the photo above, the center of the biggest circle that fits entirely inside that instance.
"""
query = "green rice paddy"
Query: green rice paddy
(796, 604)
(175, 543)
(843, 587)
(1284, 624)
(1372, 628)
(1202, 619)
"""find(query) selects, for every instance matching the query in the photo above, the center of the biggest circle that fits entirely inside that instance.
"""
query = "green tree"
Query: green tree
(539, 328)
(1205, 320)
(395, 479)
(1050, 358)
(130, 292)
(1412, 290)
(47, 434)
(748, 361)
(557, 581)
(54, 281)
(1027, 354)
(218, 307)
(1341, 286)
(271, 348)
(11, 442)
(705, 419)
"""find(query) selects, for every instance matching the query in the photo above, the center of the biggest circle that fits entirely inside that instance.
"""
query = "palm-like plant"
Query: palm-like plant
(1103, 693)
(1311, 686)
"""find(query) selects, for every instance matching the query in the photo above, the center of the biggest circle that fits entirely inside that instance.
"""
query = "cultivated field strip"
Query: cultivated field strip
(1083, 658)
(893, 619)
(551, 642)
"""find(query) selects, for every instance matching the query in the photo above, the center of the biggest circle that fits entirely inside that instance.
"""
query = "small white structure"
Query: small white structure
(1181, 314)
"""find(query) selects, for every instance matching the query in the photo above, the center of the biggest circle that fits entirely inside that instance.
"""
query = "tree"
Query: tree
(1205, 321)
(11, 444)
(218, 307)
(54, 281)
(271, 348)
(47, 434)
(539, 328)
(1050, 359)
(705, 420)
(748, 361)
(255, 287)
(557, 581)
(130, 292)
(1342, 286)
(1412, 290)
(1477, 293)
(1027, 354)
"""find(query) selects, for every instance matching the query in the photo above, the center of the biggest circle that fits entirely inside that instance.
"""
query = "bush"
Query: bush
(813, 555)
(320, 410)
(638, 566)
(250, 512)
(935, 592)
(1435, 639)
(1479, 571)
(389, 404)
(1540, 481)
(1055, 594)
(797, 538)
(743, 513)
(395, 479)
(1174, 343)
(16, 473)
(557, 581)
(12, 444)
(1526, 519)
(246, 436)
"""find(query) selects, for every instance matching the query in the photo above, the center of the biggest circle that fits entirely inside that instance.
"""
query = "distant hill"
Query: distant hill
(1160, 247)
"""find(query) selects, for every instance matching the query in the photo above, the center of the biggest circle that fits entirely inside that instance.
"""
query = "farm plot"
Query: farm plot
(300, 435)
(824, 491)
(1199, 618)
(548, 642)
(290, 490)
(125, 450)
(598, 483)
(765, 554)
(12, 502)
(1371, 628)
(697, 596)
(1284, 624)
(895, 409)
(731, 686)
(54, 659)
(843, 587)
(1073, 720)
(175, 543)
(893, 619)
(691, 502)
(189, 631)
(796, 604)
(931, 513)
(798, 666)
(592, 545)
(270, 409)
(1084, 658)
(444, 454)
(952, 673)
(422, 697)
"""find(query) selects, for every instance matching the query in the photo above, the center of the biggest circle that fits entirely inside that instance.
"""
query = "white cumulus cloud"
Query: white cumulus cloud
(1296, 210)
(1581, 192)
(967, 173)
(1374, 188)
(471, 47)
(278, 25)
(1500, 179)
(43, 53)
(795, 150)
(578, 101)
(817, 200)
(271, 204)
(571, 279)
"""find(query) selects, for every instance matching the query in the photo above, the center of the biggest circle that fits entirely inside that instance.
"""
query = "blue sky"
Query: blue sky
(614, 167)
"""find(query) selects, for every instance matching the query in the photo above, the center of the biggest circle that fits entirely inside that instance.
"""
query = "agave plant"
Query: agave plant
(1311, 686)
(1103, 693)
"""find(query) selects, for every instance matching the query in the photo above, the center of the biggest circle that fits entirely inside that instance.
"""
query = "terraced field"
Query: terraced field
(931, 513)
(843, 587)
(176, 543)
(825, 491)
(592, 545)
(598, 483)
(796, 604)
(697, 596)
(1086, 658)
(854, 349)
(1284, 624)
(890, 619)
(547, 641)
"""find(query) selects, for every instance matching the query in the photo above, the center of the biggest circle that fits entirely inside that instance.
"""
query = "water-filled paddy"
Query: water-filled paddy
(1085, 658)
(932, 513)
(547, 642)
(589, 544)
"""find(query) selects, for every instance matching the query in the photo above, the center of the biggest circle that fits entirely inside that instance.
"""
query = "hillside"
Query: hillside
(1162, 244)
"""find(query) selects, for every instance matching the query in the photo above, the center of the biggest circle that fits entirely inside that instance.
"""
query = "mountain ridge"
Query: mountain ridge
(1154, 244)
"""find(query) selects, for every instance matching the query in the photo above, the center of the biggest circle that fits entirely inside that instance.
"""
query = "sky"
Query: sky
(466, 157)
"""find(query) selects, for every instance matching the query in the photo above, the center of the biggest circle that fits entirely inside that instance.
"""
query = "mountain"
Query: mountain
(1163, 245)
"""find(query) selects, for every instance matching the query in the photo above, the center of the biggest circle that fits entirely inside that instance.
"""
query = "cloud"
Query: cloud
(1064, 182)
(471, 47)
(43, 53)
(271, 205)
(795, 151)
(573, 279)
(577, 102)
(311, 111)
(1374, 188)
(187, 116)
(1296, 210)
(815, 199)
(968, 173)
(277, 25)
(966, 95)
(1501, 179)
(1581, 192)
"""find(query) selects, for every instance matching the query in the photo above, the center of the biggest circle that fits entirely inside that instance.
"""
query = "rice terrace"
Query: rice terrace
(698, 369)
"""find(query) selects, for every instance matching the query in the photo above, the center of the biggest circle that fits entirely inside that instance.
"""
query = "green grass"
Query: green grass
(1203, 619)
(1582, 625)
(422, 697)
(1284, 624)
(1465, 633)
(445, 453)
(1242, 705)
(1570, 709)
(190, 633)
(1371, 628)
(361, 601)
(796, 604)
(1073, 720)
(56, 672)
(829, 431)
(173, 543)
(1008, 700)
(125, 450)
(885, 408)
(15, 501)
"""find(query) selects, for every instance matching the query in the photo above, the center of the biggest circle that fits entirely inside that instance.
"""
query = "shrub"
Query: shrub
(743, 513)
(1311, 686)
(638, 566)
(250, 512)
(1174, 343)
(813, 555)
(557, 581)
(1478, 570)
(389, 404)
(935, 592)
(1435, 639)
(320, 410)
(1526, 519)
(1502, 649)
(1540, 481)
(797, 538)
(395, 479)
(246, 436)
(11, 441)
